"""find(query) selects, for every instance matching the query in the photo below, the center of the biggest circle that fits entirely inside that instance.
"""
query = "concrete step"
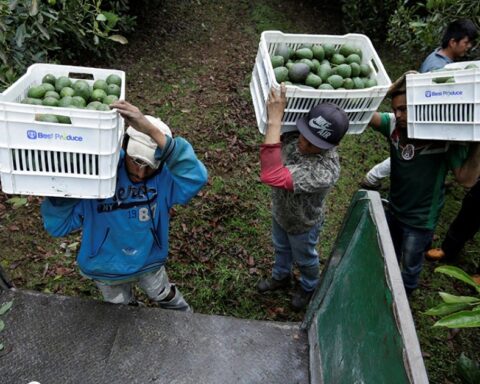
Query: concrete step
(55, 339)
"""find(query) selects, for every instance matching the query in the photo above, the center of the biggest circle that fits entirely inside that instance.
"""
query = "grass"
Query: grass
(195, 75)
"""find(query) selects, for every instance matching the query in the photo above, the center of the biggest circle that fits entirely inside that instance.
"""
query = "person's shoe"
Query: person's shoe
(272, 284)
(435, 254)
(300, 299)
(365, 184)
(476, 279)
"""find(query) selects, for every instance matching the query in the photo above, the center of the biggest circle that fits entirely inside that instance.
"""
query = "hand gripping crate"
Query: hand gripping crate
(359, 104)
(445, 111)
(50, 159)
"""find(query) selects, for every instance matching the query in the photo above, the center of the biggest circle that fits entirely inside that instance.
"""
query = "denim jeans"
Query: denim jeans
(298, 249)
(410, 245)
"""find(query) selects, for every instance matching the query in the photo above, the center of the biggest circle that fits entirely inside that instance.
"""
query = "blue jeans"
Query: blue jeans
(299, 248)
(410, 245)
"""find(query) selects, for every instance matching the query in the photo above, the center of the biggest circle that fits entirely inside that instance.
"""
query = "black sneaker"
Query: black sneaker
(273, 284)
(300, 299)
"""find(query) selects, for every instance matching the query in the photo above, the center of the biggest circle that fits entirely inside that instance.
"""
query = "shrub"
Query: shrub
(419, 28)
(48, 31)
(369, 17)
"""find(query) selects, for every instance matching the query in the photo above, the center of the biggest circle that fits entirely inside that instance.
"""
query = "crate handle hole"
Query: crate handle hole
(81, 76)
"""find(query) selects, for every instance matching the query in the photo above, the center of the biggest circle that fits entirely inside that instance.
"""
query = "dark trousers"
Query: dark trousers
(465, 225)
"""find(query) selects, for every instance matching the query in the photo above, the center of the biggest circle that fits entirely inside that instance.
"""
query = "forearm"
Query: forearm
(273, 130)
(468, 174)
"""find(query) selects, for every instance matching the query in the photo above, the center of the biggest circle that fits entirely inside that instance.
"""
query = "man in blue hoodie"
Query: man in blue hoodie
(125, 237)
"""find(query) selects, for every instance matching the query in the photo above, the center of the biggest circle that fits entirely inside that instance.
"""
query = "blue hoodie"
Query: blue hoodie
(127, 234)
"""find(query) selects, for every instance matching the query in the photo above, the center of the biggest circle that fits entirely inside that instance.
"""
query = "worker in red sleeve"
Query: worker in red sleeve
(301, 167)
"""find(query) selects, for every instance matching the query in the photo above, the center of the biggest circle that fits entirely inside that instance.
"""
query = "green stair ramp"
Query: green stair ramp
(359, 321)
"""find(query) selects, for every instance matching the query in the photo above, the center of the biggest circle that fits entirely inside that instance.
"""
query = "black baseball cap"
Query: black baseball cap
(324, 126)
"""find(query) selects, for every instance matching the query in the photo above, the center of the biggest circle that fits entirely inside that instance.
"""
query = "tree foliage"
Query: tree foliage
(419, 27)
(58, 30)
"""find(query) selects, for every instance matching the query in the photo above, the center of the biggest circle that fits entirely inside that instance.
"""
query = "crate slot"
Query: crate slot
(48, 162)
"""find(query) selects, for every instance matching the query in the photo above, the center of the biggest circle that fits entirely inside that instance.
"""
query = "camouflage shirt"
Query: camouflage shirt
(313, 176)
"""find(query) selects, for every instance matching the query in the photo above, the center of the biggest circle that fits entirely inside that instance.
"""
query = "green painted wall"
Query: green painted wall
(358, 337)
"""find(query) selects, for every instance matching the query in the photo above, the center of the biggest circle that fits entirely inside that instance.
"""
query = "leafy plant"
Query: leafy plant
(369, 17)
(419, 27)
(48, 31)
(458, 311)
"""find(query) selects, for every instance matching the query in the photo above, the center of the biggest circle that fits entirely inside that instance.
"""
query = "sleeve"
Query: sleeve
(61, 216)
(272, 170)
(457, 155)
(387, 124)
(188, 173)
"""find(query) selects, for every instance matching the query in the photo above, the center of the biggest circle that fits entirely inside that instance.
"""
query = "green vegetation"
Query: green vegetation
(220, 242)
(41, 31)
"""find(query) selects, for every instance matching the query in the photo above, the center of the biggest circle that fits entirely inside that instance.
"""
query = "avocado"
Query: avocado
(298, 72)
(346, 49)
(325, 71)
(336, 81)
(344, 70)
(353, 58)
(50, 101)
(63, 119)
(318, 52)
(284, 51)
(370, 83)
(281, 74)
(277, 61)
(326, 86)
(338, 59)
(348, 83)
(36, 92)
(355, 69)
(304, 53)
(365, 70)
(309, 63)
(358, 83)
(313, 80)
(329, 50)
(46, 118)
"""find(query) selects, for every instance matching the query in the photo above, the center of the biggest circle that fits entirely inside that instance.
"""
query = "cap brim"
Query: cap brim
(137, 150)
(302, 126)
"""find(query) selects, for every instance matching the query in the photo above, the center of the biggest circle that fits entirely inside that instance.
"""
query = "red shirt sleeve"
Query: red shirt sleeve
(272, 170)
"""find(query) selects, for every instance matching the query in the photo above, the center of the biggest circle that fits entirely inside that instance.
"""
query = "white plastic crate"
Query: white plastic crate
(445, 111)
(51, 159)
(359, 104)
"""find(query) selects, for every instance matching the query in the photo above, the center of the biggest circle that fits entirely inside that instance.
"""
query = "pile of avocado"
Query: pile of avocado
(450, 79)
(322, 66)
(63, 92)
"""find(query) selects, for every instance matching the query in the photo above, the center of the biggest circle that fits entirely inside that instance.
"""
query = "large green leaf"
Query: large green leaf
(463, 319)
(20, 35)
(458, 274)
(5, 307)
(448, 298)
(33, 8)
(2, 325)
(445, 309)
(119, 39)
(17, 201)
